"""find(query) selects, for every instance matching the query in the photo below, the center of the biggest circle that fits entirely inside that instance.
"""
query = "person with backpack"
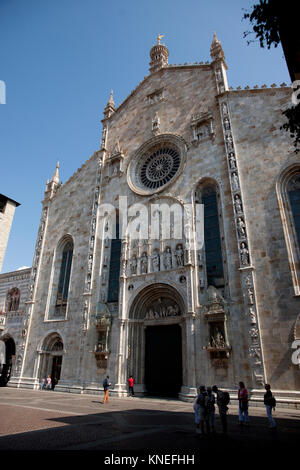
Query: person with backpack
(223, 399)
(210, 407)
(196, 412)
(243, 404)
(106, 385)
(270, 404)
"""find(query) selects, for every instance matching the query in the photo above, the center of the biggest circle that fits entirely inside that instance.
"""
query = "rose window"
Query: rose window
(159, 168)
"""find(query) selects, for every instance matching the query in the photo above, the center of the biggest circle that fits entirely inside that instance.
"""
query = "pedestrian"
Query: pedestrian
(210, 406)
(270, 404)
(53, 382)
(243, 404)
(106, 385)
(203, 417)
(48, 386)
(130, 386)
(43, 383)
(223, 399)
(196, 412)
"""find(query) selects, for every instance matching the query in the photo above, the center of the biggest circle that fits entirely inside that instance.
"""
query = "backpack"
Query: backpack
(272, 402)
(225, 398)
(209, 403)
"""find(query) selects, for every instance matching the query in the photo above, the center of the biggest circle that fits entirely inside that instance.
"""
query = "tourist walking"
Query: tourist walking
(223, 399)
(130, 386)
(196, 413)
(202, 402)
(210, 408)
(243, 404)
(270, 404)
(43, 383)
(106, 385)
(48, 383)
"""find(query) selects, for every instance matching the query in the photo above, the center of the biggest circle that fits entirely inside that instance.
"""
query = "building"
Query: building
(7, 211)
(109, 296)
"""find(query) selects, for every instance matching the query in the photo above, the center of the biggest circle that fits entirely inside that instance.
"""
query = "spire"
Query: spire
(216, 50)
(53, 184)
(55, 177)
(159, 55)
(110, 107)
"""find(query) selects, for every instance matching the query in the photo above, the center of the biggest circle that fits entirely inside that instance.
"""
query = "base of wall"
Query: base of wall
(284, 398)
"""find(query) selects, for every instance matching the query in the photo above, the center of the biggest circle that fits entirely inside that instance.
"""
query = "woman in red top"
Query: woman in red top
(130, 385)
(243, 404)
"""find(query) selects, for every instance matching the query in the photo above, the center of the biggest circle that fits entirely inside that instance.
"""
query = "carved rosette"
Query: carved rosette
(247, 275)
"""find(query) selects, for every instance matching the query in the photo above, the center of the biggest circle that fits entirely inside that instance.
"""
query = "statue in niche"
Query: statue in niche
(144, 263)
(155, 122)
(155, 261)
(241, 227)
(219, 75)
(231, 159)
(254, 333)
(229, 141)
(106, 242)
(92, 242)
(133, 265)
(237, 204)
(217, 340)
(252, 316)
(179, 256)
(168, 258)
(226, 124)
(235, 182)
(250, 296)
(224, 109)
(244, 254)
(90, 262)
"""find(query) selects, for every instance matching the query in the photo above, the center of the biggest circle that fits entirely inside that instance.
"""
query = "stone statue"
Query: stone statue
(156, 261)
(231, 159)
(226, 124)
(241, 227)
(144, 263)
(218, 339)
(133, 265)
(168, 258)
(235, 182)
(244, 254)
(237, 204)
(179, 256)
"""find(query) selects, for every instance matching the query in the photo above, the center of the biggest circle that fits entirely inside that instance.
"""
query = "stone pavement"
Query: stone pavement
(34, 420)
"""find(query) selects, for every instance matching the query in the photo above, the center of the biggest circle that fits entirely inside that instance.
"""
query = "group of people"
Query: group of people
(204, 407)
(107, 384)
(48, 383)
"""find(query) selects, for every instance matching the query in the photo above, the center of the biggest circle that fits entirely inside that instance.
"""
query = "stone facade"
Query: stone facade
(180, 131)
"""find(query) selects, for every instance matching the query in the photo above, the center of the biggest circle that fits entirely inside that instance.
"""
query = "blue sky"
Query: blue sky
(59, 60)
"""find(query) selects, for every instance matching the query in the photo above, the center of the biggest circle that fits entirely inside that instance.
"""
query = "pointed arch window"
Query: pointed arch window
(288, 193)
(114, 267)
(212, 238)
(64, 279)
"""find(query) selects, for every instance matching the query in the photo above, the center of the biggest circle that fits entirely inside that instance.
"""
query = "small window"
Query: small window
(114, 268)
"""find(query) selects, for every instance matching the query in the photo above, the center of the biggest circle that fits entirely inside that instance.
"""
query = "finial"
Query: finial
(159, 37)
(111, 98)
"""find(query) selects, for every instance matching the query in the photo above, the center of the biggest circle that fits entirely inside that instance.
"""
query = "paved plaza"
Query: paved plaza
(32, 420)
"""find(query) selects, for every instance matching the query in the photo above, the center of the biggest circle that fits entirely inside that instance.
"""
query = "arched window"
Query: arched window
(13, 300)
(64, 279)
(293, 190)
(288, 193)
(114, 267)
(212, 238)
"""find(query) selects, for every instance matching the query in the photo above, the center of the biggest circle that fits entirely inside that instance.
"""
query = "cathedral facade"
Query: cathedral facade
(172, 254)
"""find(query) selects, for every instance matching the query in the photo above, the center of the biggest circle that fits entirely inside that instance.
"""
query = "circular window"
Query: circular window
(156, 165)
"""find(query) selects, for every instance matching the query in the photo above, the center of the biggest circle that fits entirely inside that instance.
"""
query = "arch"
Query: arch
(290, 225)
(10, 353)
(152, 293)
(51, 350)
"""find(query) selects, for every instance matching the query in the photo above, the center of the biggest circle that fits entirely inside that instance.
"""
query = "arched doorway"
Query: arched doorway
(10, 352)
(51, 358)
(155, 341)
